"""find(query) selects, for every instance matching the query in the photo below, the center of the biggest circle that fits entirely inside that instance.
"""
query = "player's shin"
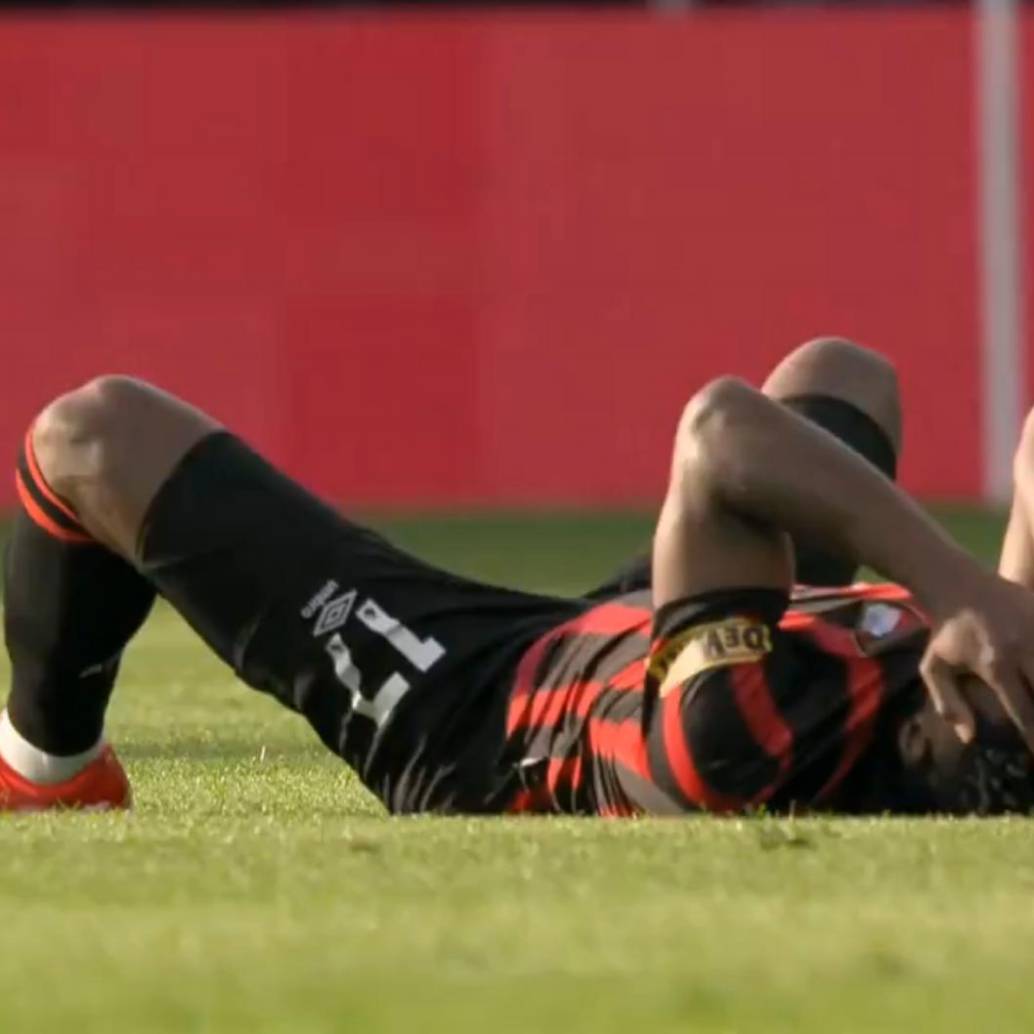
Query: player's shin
(71, 606)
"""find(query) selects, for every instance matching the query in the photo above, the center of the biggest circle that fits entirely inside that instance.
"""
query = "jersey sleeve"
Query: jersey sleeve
(716, 739)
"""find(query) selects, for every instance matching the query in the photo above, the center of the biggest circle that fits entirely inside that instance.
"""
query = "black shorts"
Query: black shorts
(402, 669)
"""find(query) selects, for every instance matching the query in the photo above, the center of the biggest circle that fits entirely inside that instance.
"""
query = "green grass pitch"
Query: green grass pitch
(256, 887)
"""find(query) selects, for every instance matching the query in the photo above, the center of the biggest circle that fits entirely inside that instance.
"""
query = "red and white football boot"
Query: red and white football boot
(100, 786)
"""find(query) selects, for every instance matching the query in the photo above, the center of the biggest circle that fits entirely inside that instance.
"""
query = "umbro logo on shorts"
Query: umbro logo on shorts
(333, 610)
(334, 614)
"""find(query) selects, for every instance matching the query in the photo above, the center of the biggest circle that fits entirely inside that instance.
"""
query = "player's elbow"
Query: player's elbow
(712, 428)
(716, 410)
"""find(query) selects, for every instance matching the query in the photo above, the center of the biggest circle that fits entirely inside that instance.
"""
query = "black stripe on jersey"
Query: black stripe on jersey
(657, 759)
(568, 737)
(871, 786)
(651, 796)
(618, 705)
(725, 753)
(564, 661)
(545, 675)
(810, 689)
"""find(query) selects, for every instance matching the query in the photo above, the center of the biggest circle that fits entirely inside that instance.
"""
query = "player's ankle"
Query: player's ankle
(38, 766)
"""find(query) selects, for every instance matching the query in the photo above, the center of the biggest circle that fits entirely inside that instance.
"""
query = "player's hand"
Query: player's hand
(991, 636)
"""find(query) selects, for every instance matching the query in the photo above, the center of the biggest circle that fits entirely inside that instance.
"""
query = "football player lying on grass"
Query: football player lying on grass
(719, 686)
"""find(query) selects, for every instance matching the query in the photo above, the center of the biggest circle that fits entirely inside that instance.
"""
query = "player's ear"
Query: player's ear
(913, 741)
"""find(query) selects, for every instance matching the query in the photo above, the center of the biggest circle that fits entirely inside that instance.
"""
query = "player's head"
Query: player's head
(920, 766)
(991, 775)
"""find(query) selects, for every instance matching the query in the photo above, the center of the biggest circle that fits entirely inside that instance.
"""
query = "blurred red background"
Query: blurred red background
(484, 258)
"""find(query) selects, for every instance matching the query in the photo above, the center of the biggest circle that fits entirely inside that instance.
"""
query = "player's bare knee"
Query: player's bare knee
(831, 359)
(838, 368)
(839, 352)
(75, 435)
(834, 347)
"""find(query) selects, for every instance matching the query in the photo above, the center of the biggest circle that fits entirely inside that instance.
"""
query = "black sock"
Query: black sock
(70, 608)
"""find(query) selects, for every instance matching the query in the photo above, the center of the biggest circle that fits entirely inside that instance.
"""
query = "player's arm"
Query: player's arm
(746, 473)
(1017, 559)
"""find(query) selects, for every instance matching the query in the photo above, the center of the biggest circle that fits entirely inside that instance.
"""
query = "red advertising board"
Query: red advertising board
(484, 258)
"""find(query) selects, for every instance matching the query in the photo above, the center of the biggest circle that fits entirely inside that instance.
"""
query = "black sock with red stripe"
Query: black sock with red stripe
(70, 608)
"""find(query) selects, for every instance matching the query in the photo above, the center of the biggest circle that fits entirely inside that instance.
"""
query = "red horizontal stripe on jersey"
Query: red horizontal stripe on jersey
(865, 685)
(830, 637)
(680, 761)
(606, 619)
(535, 801)
(563, 770)
(622, 741)
(886, 591)
(524, 679)
(866, 689)
(761, 716)
(521, 802)
(549, 704)
(610, 618)
(859, 591)
(798, 620)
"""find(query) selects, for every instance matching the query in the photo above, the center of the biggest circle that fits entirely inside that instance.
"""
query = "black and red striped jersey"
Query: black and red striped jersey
(728, 701)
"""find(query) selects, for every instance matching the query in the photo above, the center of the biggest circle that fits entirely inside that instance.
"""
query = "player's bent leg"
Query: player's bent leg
(853, 393)
(88, 469)
(388, 659)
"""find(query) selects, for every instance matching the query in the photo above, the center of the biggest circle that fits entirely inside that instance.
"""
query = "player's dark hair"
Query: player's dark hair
(994, 776)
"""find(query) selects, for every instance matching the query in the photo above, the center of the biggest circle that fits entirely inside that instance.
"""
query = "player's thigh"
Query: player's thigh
(381, 653)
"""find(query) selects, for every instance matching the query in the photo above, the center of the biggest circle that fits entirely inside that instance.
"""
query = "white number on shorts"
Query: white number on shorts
(421, 653)
(379, 708)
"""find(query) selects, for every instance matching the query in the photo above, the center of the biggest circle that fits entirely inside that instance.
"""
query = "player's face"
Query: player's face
(928, 742)
(993, 773)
